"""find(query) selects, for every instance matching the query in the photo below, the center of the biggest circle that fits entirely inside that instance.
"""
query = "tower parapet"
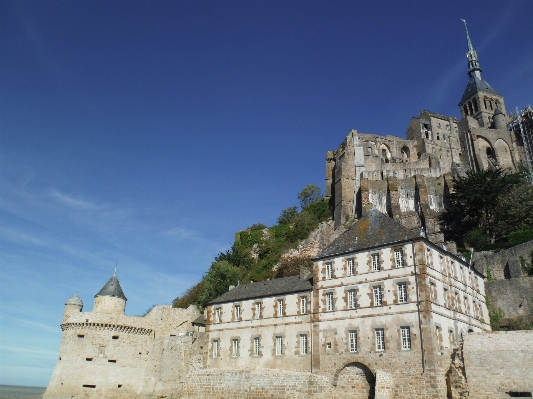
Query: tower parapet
(73, 305)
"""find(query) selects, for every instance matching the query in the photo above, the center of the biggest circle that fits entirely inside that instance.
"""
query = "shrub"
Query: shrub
(478, 239)
(257, 226)
(217, 281)
(287, 214)
(520, 236)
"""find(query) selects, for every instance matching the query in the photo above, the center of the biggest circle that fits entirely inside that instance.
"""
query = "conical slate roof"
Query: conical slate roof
(74, 300)
(372, 230)
(112, 288)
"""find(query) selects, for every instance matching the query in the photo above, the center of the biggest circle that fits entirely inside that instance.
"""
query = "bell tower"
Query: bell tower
(480, 100)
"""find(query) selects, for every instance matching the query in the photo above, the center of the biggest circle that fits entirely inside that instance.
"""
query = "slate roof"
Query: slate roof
(475, 84)
(74, 300)
(278, 286)
(199, 320)
(372, 230)
(112, 288)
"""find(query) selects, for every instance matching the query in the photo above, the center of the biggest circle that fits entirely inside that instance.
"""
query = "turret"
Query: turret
(499, 120)
(110, 299)
(72, 306)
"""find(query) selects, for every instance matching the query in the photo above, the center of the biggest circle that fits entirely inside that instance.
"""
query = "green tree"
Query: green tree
(473, 203)
(217, 281)
(287, 214)
(311, 193)
(514, 211)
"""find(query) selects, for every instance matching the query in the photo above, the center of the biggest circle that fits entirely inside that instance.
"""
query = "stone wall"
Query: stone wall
(510, 291)
(351, 382)
(498, 363)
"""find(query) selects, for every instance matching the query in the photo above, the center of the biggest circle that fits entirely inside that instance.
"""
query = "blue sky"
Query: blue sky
(146, 133)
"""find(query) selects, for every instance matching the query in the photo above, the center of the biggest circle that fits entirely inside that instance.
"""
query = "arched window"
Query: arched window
(475, 105)
(465, 110)
(470, 108)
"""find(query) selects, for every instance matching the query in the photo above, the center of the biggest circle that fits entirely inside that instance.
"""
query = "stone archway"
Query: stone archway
(503, 154)
(356, 380)
(485, 155)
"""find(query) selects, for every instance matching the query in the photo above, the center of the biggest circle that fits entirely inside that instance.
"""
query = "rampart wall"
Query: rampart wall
(498, 363)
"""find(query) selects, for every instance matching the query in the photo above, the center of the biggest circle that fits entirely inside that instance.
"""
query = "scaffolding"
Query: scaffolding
(522, 126)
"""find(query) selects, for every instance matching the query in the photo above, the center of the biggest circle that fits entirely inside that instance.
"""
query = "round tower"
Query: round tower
(499, 120)
(72, 306)
(110, 299)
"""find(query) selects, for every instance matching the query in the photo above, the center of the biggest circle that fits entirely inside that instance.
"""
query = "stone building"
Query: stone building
(383, 308)
(105, 353)
(409, 178)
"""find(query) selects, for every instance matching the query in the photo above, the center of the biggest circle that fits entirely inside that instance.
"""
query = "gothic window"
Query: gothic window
(465, 110)
(470, 108)
(474, 101)
(485, 102)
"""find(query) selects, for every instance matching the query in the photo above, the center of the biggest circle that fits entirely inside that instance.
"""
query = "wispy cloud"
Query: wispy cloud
(73, 202)
(35, 324)
(181, 233)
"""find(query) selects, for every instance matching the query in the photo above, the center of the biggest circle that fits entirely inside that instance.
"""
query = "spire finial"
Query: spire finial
(473, 64)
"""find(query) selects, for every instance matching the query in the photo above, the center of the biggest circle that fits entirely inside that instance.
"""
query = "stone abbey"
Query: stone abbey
(388, 310)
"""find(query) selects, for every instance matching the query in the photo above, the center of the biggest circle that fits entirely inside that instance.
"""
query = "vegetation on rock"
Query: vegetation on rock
(257, 249)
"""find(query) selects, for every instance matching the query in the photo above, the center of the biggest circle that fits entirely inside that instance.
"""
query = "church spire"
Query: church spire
(474, 69)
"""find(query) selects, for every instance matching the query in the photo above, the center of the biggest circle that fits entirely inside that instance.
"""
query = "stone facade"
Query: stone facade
(376, 321)
(105, 353)
(409, 178)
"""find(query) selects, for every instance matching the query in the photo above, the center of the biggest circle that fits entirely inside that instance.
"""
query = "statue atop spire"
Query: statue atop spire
(474, 69)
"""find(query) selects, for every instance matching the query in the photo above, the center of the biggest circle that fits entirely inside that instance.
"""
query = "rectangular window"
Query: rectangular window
(256, 346)
(280, 307)
(235, 348)
(258, 310)
(303, 344)
(351, 268)
(279, 346)
(378, 299)
(352, 336)
(329, 301)
(303, 305)
(398, 256)
(237, 312)
(380, 339)
(329, 271)
(217, 315)
(375, 262)
(402, 293)
(406, 337)
(215, 348)
(351, 299)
